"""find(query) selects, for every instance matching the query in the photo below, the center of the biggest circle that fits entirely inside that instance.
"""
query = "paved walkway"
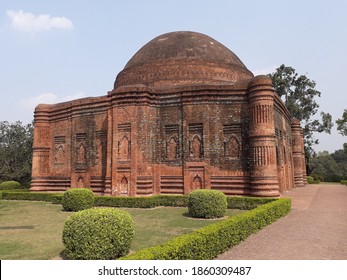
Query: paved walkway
(315, 229)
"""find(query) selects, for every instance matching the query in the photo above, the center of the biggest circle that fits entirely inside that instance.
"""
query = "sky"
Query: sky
(54, 51)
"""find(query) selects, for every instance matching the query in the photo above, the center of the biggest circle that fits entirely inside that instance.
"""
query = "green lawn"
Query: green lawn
(30, 230)
(33, 230)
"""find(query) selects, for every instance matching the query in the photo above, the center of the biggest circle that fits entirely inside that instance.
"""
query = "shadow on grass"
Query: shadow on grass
(61, 256)
(189, 216)
(17, 227)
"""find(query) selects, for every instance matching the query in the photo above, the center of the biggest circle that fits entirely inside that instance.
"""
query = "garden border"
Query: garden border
(205, 243)
(234, 202)
(210, 241)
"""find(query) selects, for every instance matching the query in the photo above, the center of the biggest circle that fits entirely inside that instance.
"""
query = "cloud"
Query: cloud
(27, 22)
(29, 104)
(265, 71)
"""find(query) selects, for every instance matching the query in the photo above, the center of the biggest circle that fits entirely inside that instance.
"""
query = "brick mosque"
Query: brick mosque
(185, 113)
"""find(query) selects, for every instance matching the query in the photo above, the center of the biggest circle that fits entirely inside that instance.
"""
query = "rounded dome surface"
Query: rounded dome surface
(183, 58)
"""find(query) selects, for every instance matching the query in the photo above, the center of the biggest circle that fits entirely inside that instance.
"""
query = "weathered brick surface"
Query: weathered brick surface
(315, 229)
(185, 113)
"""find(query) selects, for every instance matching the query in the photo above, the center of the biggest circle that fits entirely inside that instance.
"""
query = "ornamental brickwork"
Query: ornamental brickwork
(184, 114)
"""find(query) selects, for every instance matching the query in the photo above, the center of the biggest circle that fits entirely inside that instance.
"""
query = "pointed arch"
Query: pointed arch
(197, 182)
(196, 147)
(232, 147)
(81, 153)
(80, 182)
(124, 148)
(59, 153)
(172, 148)
(124, 185)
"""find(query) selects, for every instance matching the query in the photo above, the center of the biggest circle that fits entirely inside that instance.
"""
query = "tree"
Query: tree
(298, 93)
(333, 167)
(342, 123)
(16, 142)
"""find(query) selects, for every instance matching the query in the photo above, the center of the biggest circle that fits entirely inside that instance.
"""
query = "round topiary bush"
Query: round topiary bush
(78, 199)
(98, 234)
(10, 185)
(207, 204)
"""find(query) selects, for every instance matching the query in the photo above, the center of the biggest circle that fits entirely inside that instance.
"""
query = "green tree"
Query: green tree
(16, 142)
(333, 167)
(298, 93)
(342, 123)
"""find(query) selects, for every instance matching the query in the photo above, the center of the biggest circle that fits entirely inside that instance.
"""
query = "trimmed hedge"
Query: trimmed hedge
(125, 202)
(234, 202)
(78, 199)
(35, 196)
(142, 202)
(10, 185)
(207, 204)
(172, 200)
(98, 234)
(210, 241)
(247, 203)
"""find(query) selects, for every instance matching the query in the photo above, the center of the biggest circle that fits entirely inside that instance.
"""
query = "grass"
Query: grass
(33, 230)
(30, 230)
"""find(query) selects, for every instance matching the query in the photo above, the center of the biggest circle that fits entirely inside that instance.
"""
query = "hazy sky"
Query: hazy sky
(53, 51)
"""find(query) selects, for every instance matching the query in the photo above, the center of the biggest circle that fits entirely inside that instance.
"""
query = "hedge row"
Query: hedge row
(210, 241)
(234, 202)
(37, 196)
(142, 202)
(247, 203)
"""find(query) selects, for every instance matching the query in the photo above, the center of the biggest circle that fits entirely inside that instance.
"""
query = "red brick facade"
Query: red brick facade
(184, 114)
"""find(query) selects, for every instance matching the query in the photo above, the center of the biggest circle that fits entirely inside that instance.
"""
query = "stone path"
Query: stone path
(315, 229)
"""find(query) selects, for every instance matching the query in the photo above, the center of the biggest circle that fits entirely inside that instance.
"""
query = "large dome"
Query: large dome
(183, 58)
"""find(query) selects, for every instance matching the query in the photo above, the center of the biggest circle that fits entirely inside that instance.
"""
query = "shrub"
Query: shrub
(234, 202)
(172, 200)
(207, 204)
(10, 185)
(310, 180)
(142, 202)
(317, 177)
(98, 234)
(35, 196)
(77, 199)
(127, 202)
(247, 203)
(344, 182)
(212, 240)
(333, 178)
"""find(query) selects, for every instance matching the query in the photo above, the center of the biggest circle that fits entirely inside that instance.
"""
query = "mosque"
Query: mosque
(185, 113)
